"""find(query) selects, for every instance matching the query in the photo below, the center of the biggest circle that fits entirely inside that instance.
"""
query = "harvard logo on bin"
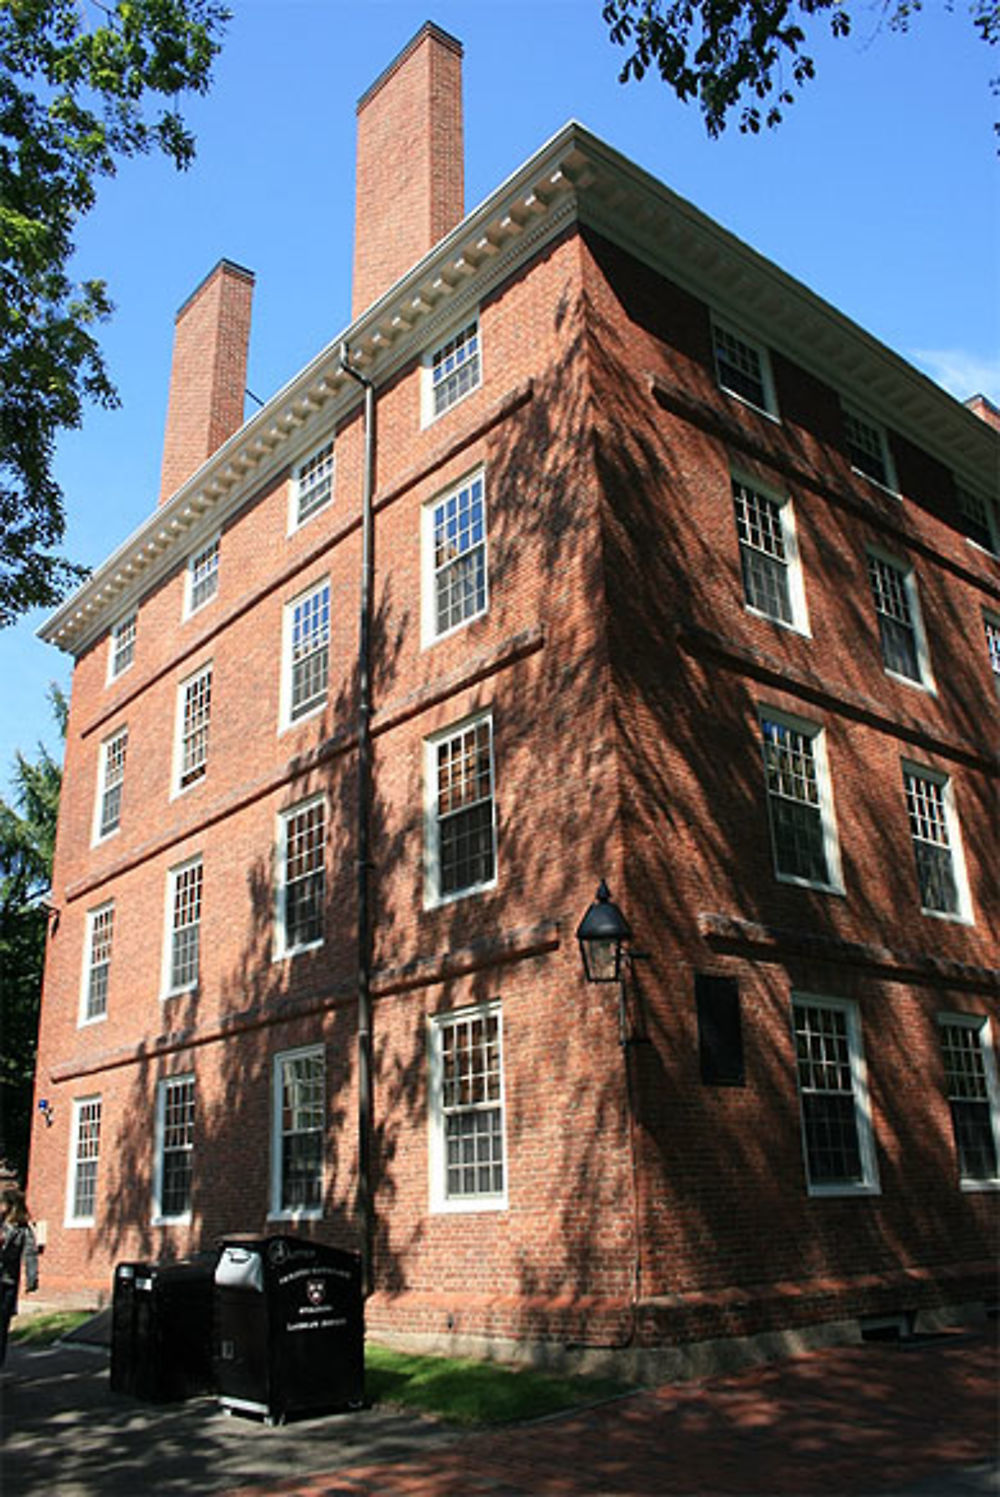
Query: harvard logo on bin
(315, 1291)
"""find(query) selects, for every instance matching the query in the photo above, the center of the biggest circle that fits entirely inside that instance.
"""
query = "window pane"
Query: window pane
(928, 815)
(204, 575)
(826, 1087)
(969, 1099)
(472, 1106)
(762, 553)
(459, 556)
(465, 809)
(303, 1109)
(123, 645)
(794, 803)
(739, 367)
(310, 651)
(866, 448)
(305, 845)
(455, 368)
(88, 1143)
(315, 483)
(194, 731)
(114, 775)
(101, 934)
(186, 927)
(178, 1143)
(897, 628)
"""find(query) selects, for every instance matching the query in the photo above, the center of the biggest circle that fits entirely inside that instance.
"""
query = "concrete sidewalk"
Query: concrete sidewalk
(915, 1419)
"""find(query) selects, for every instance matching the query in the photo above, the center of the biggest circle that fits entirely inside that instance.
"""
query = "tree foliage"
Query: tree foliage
(745, 54)
(27, 842)
(82, 86)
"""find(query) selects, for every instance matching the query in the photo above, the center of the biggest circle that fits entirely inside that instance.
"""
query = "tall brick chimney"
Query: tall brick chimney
(410, 185)
(208, 375)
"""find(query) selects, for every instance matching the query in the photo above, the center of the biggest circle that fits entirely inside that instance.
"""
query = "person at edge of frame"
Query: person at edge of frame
(17, 1246)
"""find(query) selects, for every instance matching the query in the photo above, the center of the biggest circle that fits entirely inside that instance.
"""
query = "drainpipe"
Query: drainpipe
(366, 1205)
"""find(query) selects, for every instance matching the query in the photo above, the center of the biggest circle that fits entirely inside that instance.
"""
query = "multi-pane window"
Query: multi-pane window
(301, 887)
(175, 1129)
(314, 484)
(203, 575)
(83, 1165)
(768, 556)
(307, 651)
(936, 843)
(455, 368)
(100, 932)
(461, 830)
(799, 804)
(971, 1089)
(467, 1110)
(122, 645)
(457, 544)
(112, 778)
(992, 628)
(868, 449)
(299, 1128)
(184, 933)
(195, 716)
(742, 368)
(896, 607)
(978, 519)
(836, 1126)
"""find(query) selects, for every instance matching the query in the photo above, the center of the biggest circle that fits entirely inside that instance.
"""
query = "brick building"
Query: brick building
(678, 579)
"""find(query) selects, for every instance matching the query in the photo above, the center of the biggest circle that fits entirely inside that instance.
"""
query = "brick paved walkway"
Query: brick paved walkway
(873, 1419)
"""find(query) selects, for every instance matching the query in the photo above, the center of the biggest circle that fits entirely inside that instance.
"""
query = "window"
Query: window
(978, 519)
(298, 1133)
(301, 877)
(971, 1088)
(992, 627)
(936, 843)
(307, 652)
(467, 1111)
(122, 646)
(97, 963)
(868, 449)
(460, 832)
(111, 779)
(174, 1148)
(455, 558)
(833, 1093)
(772, 578)
(86, 1148)
(184, 926)
(743, 369)
(800, 806)
(453, 370)
(194, 715)
(894, 592)
(313, 486)
(203, 576)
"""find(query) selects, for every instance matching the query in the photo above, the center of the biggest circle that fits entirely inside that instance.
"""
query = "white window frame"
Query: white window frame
(432, 839)
(799, 620)
(980, 1025)
(440, 1201)
(816, 734)
(192, 582)
(174, 875)
(94, 919)
(863, 423)
(281, 948)
(127, 625)
(428, 413)
(964, 914)
(991, 629)
(76, 1158)
(968, 503)
(314, 474)
(430, 570)
(107, 748)
(278, 1212)
(166, 1084)
(722, 329)
(908, 580)
(188, 685)
(301, 600)
(869, 1182)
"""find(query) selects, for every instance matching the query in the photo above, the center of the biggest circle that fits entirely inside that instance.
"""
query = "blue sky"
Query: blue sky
(879, 192)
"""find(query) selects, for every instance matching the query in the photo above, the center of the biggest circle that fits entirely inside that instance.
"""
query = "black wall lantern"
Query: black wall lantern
(602, 934)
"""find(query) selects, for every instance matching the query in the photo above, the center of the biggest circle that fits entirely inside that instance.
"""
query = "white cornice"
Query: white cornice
(574, 176)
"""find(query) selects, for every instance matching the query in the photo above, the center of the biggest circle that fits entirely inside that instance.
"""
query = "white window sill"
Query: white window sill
(805, 883)
(287, 952)
(72, 1222)
(793, 627)
(823, 1192)
(171, 1221)
(469, 1205)
(883, 488)
(313, 1215)
(91, 1019)
(751, 405)
(303, 717)
(974, 1187)
(950, 919)
(431, 640)
(431, 416)
(168, 993)
(438, 901)
(926, 686)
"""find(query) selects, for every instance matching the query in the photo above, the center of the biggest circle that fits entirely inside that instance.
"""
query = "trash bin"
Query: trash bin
(289, 1327)
(161, 1328)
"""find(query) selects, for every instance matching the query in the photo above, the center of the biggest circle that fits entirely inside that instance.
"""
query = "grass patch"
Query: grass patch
(44, 1328)
(468, 1392)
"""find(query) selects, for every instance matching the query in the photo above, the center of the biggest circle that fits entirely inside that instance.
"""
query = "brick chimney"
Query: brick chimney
(410, 184)
(984, 408)
(209, 372)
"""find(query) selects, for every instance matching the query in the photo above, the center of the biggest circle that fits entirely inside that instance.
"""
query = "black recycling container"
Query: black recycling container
(161, 1328)
(289, 1327)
